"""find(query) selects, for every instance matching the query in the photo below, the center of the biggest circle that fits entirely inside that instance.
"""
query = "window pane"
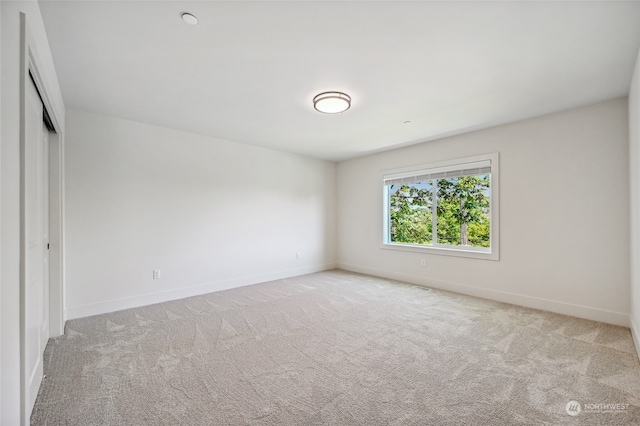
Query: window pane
(410, 213)
(463, 217)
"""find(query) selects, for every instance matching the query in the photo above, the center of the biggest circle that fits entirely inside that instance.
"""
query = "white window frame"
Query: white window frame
(491, 253)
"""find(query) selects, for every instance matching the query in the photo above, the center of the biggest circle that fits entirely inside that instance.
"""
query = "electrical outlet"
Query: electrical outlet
(298, 256)
(156, 274)
(423, 262)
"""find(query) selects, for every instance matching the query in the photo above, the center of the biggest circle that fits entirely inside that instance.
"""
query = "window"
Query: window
(446, 208)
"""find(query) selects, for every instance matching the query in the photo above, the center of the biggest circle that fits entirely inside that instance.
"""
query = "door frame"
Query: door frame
(30, 69)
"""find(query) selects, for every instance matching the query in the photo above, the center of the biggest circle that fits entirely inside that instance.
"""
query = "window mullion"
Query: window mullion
(434, 212)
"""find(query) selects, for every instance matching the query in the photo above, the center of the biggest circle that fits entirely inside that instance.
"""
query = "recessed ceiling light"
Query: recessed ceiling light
(332, 102)
(189, 19)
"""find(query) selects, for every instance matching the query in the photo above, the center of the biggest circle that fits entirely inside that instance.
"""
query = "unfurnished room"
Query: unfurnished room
(319, 212)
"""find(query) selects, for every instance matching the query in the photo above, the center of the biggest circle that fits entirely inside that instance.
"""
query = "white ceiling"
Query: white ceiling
(249, 70)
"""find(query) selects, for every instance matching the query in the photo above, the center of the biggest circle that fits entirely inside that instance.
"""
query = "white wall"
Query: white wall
(208, 213)
(10, 185)
(634, 165)
(564, 214)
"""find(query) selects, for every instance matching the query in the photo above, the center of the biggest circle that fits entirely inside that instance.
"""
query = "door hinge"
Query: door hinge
(47, 246)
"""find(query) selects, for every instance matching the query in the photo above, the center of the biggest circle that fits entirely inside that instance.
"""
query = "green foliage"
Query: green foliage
(410, 209)
(462, 212)
(448, 225)
(463, 201)
(478, 232)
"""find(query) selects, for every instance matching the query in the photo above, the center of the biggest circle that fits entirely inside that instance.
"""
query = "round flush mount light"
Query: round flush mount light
(332, 102)
(189, 19)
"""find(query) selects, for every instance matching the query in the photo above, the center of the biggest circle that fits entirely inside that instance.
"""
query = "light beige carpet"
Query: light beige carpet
(337, 348)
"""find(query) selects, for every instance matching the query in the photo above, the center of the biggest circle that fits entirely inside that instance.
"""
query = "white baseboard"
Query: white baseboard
(586, 312)
(635, 334)
(180, 293)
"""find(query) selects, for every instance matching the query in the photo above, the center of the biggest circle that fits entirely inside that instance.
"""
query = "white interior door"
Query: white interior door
(36, 239)
(44, 168)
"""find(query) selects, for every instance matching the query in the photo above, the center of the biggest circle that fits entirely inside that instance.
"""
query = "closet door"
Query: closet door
(36, 267)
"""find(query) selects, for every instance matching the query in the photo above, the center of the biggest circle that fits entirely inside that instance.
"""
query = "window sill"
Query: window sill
(472, 253)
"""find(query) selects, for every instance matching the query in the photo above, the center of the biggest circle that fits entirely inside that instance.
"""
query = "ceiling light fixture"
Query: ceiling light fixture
(189, 19)
(332, 102)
